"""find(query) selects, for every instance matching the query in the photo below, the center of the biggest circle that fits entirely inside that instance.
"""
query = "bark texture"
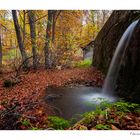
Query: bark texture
(129, 76)
(109, 36)
(48, 40)
(31, 16)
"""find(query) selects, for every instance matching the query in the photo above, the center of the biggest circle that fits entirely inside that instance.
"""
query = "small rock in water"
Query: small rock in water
(52, 97)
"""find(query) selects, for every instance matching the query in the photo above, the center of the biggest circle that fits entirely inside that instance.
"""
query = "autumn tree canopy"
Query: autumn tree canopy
(51, 38)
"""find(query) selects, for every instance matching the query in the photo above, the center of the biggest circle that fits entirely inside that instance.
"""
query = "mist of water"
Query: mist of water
(110, 81)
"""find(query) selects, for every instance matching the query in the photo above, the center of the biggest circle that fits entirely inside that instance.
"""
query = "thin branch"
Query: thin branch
(19, 68)
(39, 18)
(59, 12)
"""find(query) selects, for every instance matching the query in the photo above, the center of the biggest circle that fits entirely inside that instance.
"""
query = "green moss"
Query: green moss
(125, 106)
(102, 127)
(84, 64)
(58, 123)
(88, 117)
(26, 122)
(120, 108)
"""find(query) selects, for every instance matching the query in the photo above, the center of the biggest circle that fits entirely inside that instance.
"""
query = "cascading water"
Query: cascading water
(110, 81)
(72, 101)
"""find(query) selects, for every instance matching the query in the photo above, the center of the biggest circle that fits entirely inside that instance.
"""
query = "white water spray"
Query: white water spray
(110, 81)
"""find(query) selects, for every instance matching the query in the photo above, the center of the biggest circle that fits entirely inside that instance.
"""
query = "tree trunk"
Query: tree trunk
(128, 82)
(24, 25)
(56, 14)
(19, 38)
(31, 16)
(48, 39)
(53, 26)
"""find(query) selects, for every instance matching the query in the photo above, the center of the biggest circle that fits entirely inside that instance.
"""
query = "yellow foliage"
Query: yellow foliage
(71, 32)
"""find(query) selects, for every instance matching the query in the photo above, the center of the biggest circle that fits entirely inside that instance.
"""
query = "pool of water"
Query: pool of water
(70, 102)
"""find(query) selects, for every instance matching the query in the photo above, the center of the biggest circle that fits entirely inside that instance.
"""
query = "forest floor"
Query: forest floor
(24, 102)
(22, 106)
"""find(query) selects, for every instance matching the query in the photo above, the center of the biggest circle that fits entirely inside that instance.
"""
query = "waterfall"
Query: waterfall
(110, 81)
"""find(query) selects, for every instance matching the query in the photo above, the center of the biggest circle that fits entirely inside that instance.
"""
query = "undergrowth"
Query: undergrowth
(101, 118)
(84, 63)
(57, 123)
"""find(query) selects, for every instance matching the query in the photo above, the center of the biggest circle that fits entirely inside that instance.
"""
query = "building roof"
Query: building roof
(87, 45)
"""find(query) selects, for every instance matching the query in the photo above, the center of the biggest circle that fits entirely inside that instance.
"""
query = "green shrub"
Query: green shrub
(26, 122)
(88, 117)
(120, 106)
(137, 110)
(102, 127)
(84, 64)
(125, 106)
(58, 123)
(72, 121)
(104, 110)
(112, 121)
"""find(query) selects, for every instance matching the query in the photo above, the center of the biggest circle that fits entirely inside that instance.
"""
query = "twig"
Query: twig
(19, 68)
